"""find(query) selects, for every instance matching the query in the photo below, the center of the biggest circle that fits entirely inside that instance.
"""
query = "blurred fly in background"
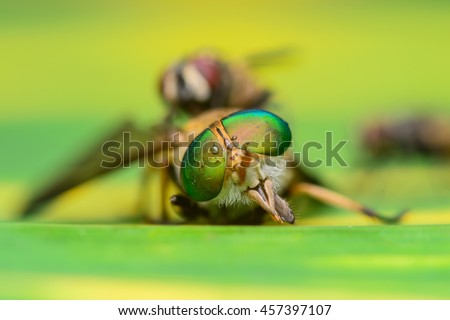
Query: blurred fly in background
(408, 136)
(411, 147)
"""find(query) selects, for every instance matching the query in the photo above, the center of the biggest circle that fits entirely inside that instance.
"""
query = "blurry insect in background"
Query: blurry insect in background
(406, 153)
(198, 86)
(203, 82)
(417, 135)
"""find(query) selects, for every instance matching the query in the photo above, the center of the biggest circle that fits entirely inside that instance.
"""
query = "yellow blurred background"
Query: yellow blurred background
(100, 59)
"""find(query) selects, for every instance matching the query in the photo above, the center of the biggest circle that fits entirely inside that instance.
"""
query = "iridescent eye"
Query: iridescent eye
(259, 131)
(203, 167)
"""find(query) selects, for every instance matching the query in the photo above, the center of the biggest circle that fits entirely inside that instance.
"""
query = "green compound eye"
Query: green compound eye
(259, 131)
(203, 167)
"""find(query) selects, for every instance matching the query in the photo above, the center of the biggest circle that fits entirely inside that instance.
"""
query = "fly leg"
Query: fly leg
(142, 201)
(338, 200)
(152, 209)
(99, 160)
(189, 210)
(257, 216)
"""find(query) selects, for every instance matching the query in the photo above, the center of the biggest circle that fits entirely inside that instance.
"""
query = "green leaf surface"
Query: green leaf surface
(377, 262)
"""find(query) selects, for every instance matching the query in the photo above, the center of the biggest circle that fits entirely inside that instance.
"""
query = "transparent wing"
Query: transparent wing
(270, 57)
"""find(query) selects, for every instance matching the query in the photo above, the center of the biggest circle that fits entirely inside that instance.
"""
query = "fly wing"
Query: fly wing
(99, 161)
(244, 91)
(270, 57)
